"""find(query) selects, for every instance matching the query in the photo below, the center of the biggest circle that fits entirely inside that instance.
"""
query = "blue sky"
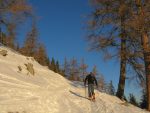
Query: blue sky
(62, 28)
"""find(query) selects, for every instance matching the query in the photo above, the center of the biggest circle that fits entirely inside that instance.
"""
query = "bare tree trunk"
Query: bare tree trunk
(146, 53)
(121, 85)
(146, 49)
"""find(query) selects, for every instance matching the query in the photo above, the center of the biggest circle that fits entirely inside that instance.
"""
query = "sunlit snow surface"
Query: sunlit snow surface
(48, 92)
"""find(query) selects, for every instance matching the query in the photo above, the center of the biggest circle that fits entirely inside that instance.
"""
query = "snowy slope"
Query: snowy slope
(48, 92)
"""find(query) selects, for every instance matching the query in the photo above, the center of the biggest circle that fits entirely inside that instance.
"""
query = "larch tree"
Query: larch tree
(48, 62)
(83, 68)
(10, 41)
(31, 42)
(74, 69)
(95, 71)
(111, 88)
(66, 66)
(2, 37)
(40, 55)
(101, 83)
(133, 100)
(143, 101)
(57, 67)
(53, 65)
(139, 28)
(143, 25)
(108, 33)
(12, 13)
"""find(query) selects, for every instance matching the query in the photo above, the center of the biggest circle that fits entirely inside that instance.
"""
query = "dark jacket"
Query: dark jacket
(91, 79)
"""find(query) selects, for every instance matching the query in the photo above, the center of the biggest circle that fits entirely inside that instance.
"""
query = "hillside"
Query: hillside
(48, 92)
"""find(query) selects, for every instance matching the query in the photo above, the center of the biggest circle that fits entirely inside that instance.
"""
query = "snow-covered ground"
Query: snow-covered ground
(48, 92)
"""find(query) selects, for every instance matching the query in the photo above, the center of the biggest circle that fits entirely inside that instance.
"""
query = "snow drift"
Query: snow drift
(48, 92)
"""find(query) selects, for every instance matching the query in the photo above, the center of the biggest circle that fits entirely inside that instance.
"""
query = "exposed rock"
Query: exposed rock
(30, 68)
(32, 59)
(3, 52)
(20, 69)
(27, 58)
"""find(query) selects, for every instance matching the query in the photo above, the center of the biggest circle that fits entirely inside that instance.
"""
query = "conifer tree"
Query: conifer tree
(53, 65)
(48, 62)
(31, 42)
(11, 35)
(13, 13)
(112, 41)
(94, 70)
(101, 83)
(40, 55)
(132, 100)
(143, 103)
(83, 69)
(17, 47)
(142, 26)
(57, 67)
(111, 88)
(125, 98)
(66, 67)
(2, 37)
(74, 69)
